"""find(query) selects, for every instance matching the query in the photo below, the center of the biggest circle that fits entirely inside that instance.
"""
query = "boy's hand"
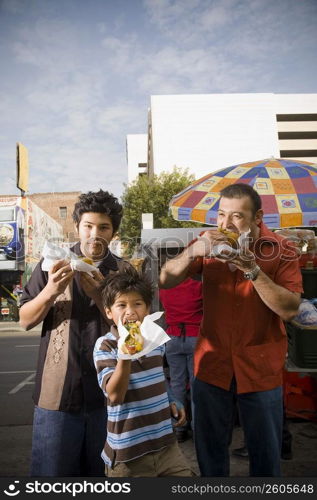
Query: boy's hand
(59, 277)
(91, 284)
(178, 414)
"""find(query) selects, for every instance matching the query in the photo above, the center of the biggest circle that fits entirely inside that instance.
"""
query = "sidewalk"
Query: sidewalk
(304, 447)
(10, 326)
(16, 446)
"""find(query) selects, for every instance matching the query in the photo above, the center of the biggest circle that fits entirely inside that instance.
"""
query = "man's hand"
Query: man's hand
(174, 271)
(91, 284)
(59, 277)
(245, 261)
(204, 244)
(178, 414)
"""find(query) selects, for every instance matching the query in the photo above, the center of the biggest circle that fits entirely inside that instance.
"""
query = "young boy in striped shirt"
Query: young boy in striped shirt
(140, 439)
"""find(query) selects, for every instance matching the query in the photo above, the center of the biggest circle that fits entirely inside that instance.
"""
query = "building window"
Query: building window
(142, 169)
(63, 212)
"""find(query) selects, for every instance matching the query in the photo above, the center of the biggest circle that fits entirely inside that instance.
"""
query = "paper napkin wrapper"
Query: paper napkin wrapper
(51, 253)
(153, 336)
(225, 251)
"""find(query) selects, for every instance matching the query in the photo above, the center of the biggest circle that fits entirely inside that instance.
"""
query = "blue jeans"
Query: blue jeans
(179, 353)
(261, 416)
(68, 444)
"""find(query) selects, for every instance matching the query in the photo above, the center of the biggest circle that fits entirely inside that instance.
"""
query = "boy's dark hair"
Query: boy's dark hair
(127, 280)
(100, 202)
(240, 190)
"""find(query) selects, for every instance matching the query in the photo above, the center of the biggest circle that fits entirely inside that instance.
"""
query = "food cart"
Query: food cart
(157, 245)
(300, 375)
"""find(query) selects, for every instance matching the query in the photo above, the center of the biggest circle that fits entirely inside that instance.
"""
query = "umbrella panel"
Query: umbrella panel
(288, 189)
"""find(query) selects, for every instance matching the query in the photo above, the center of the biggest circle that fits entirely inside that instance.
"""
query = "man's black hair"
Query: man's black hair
(240, 190)
(100, 202)
(127, 280)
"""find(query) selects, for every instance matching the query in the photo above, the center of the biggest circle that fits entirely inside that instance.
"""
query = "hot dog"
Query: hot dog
(87, 260)
(232, 236)
(133, 342)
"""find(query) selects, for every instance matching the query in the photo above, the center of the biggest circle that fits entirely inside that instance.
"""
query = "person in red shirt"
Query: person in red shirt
(242, 345)
(183, 313)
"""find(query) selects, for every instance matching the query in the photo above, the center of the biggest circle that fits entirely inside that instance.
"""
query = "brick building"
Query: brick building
(60, 207)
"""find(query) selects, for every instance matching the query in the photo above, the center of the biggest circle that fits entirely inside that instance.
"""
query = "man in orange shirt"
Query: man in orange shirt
(242, 343)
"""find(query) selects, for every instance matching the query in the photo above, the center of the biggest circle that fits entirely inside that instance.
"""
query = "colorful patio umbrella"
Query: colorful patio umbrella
(288, 189)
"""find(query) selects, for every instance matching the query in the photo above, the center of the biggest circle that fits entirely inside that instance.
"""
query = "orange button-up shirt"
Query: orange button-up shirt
(240, 336)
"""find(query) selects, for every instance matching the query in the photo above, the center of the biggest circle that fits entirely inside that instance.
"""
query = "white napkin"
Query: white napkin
(224, 251)
(53, 253)
(153, 336)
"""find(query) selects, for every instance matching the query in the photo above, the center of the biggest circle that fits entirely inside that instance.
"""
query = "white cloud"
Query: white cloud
(247, 29)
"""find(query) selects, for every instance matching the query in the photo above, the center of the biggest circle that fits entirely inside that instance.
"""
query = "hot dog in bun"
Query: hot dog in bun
(87, 260)
(232, 236)
(133, 342)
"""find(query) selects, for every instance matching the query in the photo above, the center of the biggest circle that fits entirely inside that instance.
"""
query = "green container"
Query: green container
(302, 346)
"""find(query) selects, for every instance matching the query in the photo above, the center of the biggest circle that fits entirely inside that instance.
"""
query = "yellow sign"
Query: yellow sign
(22, 168)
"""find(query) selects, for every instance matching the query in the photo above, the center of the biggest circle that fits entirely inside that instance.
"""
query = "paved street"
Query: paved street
(18, 354)
(18, 357)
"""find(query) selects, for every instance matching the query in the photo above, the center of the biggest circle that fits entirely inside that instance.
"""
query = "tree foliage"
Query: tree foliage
(152, 195)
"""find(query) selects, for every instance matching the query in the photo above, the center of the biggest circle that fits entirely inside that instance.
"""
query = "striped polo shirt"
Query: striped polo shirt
(142, 423)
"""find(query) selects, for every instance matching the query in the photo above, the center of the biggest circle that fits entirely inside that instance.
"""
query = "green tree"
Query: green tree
(152, 195)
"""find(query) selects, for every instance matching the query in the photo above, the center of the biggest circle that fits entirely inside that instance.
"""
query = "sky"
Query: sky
(76, 76)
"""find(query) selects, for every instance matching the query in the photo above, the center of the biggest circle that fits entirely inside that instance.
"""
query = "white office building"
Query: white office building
(137, 155)
(207, 132)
